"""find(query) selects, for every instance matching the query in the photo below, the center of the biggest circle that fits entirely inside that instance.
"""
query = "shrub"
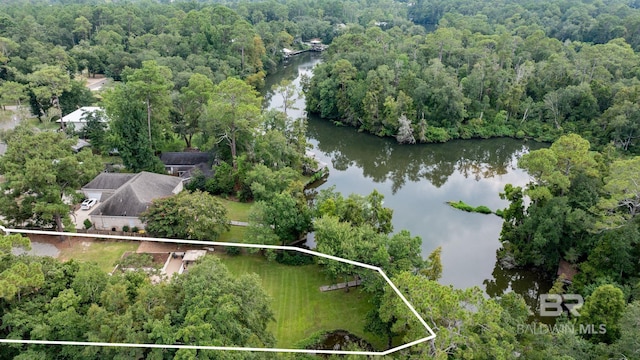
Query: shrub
(437, 134)
(223, 180)
(137, 260)
(125, 228)
(294, 258)
(197, 181)
(232, 250)
(87, 224)
(135, 229)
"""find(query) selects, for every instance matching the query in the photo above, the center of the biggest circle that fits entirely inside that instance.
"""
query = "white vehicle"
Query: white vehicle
(88, 204)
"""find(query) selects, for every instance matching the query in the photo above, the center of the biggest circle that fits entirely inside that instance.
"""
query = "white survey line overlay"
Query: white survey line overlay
(431, 336)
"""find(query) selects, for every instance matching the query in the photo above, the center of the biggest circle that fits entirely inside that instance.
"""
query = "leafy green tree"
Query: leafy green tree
(282, 215)
(222, 310)
(40, 171)
(233, 115)
(95, 129)
(553, 169)
(152, 84)
(604, 307)
(8, 242)
(266, 183)
(467, 325)
(189, 107)
(623, 190)
(19, 278)
(629, 341)
(433, 268)
(187, 215)
(12, 92)
(47, 85)
(89, 283)
(77, 96)
(356, 209)
(127, 130)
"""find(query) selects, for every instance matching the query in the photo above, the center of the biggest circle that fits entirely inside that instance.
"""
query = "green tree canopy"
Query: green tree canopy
(187, 215)
(233, 115)
(41, 173)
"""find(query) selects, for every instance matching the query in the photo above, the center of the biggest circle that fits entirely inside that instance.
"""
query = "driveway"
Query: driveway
(79, 216)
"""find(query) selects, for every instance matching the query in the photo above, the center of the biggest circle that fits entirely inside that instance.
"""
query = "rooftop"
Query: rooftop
(108, 181)
(135, 195)
(78, 116)
(185, 158)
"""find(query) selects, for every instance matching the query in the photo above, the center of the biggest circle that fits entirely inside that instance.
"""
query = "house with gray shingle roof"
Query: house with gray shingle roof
(182, 163)
(125, 196)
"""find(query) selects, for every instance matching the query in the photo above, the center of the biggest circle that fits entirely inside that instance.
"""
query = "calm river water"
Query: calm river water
(418, 180)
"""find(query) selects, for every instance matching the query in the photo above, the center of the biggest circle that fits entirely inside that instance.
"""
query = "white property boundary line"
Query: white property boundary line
(431, 336)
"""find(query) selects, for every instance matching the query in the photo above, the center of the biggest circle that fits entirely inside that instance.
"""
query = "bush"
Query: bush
(197, 181)
(135, 229)
(437, 134)
(232, 250)
(125, 228)
(87, 224)
(223, 180)
(294, 258)
(136, 260)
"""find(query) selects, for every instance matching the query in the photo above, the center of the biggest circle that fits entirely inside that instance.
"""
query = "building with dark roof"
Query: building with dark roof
(125, 196)
(182, 163)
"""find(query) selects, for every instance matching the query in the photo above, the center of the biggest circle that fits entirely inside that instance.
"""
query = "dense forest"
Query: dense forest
(186, 76)
(515, 68)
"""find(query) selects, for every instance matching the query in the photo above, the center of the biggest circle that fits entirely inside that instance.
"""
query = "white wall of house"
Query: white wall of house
(102, 222)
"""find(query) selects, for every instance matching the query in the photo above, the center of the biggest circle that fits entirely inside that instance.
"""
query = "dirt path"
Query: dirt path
(156, 247)
(62, 245)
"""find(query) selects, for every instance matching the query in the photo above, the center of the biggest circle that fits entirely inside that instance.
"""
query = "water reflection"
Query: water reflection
(382, 160)
(418, 180)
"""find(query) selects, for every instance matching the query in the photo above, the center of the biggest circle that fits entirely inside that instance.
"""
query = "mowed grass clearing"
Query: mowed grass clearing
(300, 309)
(103, 253)
(236, 210)
(235, 235)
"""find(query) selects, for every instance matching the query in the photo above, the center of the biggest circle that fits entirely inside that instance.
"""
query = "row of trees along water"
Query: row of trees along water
(506, 68)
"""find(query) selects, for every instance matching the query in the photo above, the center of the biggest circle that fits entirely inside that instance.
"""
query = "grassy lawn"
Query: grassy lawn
(300, 309)
(237, 211)
(236, 234)
(103, 253)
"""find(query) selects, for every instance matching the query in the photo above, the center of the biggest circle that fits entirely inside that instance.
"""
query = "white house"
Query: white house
(123, 197)
(78, 117)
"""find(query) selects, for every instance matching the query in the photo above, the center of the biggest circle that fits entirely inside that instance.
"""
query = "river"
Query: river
(418, 180)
